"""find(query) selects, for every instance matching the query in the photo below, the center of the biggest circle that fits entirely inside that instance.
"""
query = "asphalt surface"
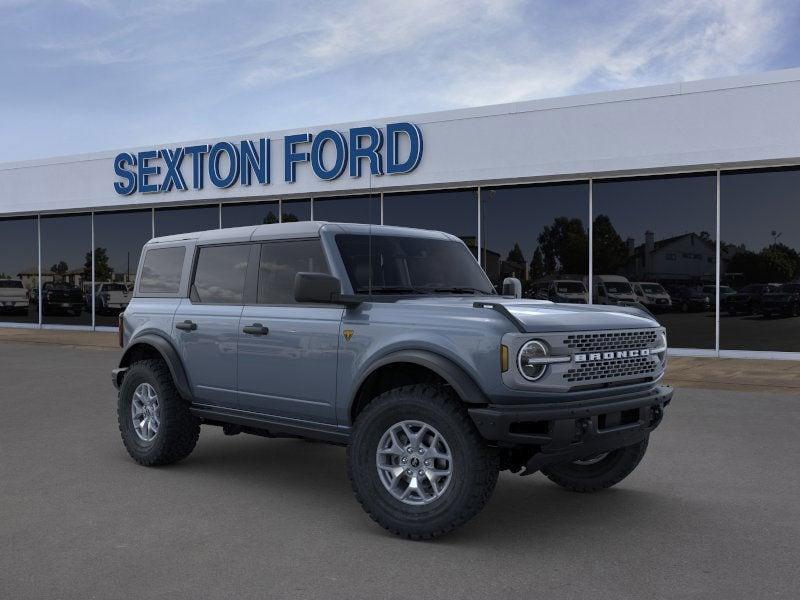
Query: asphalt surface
(712, 512)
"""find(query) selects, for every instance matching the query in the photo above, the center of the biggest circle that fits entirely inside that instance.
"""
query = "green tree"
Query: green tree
(59, 268)
(270, 218)
(564, 246)
(536, 269)
(610, 252)
(516, 255)
(102, 270)
(289, 218)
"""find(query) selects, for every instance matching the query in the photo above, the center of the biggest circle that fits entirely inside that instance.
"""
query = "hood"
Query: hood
(541, 315)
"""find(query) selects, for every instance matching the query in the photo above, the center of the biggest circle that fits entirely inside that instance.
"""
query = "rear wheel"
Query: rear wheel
(598, 472)
(156, 425)
(417, 464)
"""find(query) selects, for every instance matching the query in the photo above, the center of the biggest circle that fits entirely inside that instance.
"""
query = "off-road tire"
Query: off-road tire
(595, 477)
(179, 429)
(475, 465)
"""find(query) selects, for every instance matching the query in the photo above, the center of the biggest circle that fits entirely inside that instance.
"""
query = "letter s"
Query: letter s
(129, 185)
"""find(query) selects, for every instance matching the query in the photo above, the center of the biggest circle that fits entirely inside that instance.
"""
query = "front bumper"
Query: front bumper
(569, 431)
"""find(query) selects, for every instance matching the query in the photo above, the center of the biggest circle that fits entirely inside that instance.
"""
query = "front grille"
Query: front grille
(617, 368)
(611, 340)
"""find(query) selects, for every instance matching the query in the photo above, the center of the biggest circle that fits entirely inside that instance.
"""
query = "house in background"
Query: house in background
(687, 259)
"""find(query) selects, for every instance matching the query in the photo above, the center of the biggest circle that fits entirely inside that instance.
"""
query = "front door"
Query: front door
(287, 351)
(207, 323)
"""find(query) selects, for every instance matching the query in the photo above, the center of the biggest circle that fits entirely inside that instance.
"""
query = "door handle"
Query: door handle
(187, 325)
(255, 329)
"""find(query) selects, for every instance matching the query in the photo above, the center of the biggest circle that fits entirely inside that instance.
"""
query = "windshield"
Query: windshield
(652, 288)
(410, 265)
(570, 287)
(618, 287)
(10, 283)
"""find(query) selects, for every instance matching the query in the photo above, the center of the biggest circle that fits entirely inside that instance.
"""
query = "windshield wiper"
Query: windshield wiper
(389, 289)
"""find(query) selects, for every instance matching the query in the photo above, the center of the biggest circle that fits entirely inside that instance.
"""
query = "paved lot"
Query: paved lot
(712, 512)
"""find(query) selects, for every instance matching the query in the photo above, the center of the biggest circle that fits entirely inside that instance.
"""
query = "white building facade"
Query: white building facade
(608, 183)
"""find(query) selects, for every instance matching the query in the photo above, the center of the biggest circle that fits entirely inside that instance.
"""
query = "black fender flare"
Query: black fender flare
(461, 382)
(168, 353)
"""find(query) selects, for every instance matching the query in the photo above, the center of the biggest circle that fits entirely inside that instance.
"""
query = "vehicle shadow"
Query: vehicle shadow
(522, 508)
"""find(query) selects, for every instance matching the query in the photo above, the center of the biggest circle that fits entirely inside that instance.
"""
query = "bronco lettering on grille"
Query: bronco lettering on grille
(593, 356)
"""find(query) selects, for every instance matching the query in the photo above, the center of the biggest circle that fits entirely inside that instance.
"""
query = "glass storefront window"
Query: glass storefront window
(760, 260)
(118, 239)
(538, 234)
(453, 211)
(349, 209)
(66, 269)
(653, 244)
(296, 210)
(19, 270)
(171, 221)
(249, 213)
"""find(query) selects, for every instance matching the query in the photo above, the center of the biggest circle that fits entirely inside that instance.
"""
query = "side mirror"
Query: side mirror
(512, 287)
(316, 287)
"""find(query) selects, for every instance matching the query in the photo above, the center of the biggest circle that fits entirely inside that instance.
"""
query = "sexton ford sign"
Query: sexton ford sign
(225, 164)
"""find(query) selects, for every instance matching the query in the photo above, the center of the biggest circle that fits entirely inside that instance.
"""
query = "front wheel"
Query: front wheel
(595, 473)
(417, 464)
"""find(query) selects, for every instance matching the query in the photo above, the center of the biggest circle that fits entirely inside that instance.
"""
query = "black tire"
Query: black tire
(179, 429)
(475, 466)
(612, 469)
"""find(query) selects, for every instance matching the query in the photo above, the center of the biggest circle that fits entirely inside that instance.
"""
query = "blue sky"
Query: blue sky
(89, 75)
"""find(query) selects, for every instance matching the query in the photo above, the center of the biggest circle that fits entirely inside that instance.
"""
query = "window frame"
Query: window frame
(262, 244)
(138, 293)
(247, 291)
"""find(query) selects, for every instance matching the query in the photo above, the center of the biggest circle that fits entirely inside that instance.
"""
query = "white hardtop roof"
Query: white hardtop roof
(297, 229)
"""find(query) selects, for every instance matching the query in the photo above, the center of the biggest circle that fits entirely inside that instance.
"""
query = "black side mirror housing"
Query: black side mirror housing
(321, 288)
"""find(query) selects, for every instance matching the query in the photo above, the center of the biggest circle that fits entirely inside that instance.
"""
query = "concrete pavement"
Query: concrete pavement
(712, 512)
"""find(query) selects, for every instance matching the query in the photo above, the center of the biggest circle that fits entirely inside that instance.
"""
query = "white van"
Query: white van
(612, 289)
(652, 295)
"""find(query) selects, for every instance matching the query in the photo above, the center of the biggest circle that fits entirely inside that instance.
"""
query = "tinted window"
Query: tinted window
(249, 213)
(19, 262)
(536, 233)
(280, 262)
(220, 274)
(171, 221)
(118, 238)
(161, 271)
(455, 212)
(410, 265)
(295, 210)
(349, 209)
(759, 217)
(67, 261)
(660, 230)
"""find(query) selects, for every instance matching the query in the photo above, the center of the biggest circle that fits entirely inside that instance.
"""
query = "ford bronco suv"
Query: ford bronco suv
(392, 342)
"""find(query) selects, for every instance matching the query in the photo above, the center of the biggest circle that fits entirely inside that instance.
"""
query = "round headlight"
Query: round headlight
(529, 368)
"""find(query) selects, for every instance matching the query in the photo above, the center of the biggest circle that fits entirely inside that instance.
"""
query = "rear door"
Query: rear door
(207, 322)
(288, 352)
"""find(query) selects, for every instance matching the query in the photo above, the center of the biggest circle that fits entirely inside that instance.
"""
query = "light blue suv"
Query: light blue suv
(393, 342)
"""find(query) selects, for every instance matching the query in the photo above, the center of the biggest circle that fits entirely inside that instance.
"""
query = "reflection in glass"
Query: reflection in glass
(296, 210)
(280, 262)
(653, 246)
(349, 209)
(66, 269)
(453, 211)
(19, 270)
(760, 260)
(161, 270)
(170, 221)
(538, 234)
(249, 213)
(118, 239)
(219, 276)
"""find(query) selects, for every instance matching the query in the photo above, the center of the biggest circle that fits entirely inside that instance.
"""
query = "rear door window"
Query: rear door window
(280, 262)
(161, 271)
(220, 274)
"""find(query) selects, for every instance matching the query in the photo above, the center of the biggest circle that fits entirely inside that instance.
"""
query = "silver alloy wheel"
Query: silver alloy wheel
(145, 412)
(590, 460)
(414, 462)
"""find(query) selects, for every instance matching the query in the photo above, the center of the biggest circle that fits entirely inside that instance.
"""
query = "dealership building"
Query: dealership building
(685, 195)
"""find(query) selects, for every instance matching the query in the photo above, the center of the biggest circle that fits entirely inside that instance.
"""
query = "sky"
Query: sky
(92, 75)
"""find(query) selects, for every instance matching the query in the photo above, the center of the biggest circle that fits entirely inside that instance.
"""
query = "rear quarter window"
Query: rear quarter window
(161, 270)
